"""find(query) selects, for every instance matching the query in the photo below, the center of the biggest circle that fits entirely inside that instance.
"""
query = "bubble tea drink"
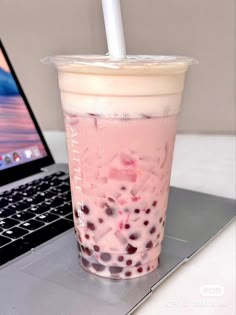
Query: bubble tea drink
(120, 119)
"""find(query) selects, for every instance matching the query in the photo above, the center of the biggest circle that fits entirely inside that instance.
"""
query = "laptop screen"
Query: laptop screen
(20, 142)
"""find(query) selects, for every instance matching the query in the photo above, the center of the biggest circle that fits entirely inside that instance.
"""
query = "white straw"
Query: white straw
(114, 28)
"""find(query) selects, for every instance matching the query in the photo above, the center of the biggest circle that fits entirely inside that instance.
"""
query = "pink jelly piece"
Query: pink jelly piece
(123, 174)
(127, 159)
(122, 202)
(99, 235)
(119, 235)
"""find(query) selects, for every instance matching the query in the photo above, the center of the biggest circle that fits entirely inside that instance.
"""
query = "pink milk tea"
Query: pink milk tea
(120, 119)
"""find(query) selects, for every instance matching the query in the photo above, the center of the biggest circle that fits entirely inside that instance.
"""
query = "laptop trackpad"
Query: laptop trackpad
(58, 263)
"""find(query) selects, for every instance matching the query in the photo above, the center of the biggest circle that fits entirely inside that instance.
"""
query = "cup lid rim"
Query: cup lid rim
(130, 61)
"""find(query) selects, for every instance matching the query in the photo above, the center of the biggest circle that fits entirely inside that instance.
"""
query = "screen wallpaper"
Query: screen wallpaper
(19, 139)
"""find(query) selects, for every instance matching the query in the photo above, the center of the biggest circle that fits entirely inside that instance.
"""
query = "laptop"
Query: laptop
(35, 199)
(41, 273)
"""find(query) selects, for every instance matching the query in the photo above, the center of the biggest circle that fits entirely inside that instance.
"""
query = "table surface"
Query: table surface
(204, 163)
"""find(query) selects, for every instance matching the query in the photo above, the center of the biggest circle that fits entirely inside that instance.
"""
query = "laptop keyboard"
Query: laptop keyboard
(34, 213)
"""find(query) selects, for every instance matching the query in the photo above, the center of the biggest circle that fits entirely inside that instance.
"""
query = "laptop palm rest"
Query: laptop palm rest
(52, 273)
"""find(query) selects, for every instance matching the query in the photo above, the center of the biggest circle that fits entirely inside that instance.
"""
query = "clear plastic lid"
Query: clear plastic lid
(131, 62)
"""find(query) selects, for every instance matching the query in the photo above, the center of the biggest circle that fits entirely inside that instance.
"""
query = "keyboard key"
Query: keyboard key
(57, 201)
(62, 210)
(38, 209)
(51, 203)
(4, 240)
(22, 187)
(32, 225)
(37, 199)
(63, 188)
(15, 197)
(3, 202)
(5, 193)
(66, 196)
(6, 212)
(15, 232)
(29, 192)
(44, 184)
(8, 223)
(22, 205)
(49, 177)
(48, 194)
(47, 217)
(23, 216)
(55, 182)
(36, 181)
(54, 190)
(13, 208)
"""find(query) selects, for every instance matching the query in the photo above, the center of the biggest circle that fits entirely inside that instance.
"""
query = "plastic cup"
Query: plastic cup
(120, 119)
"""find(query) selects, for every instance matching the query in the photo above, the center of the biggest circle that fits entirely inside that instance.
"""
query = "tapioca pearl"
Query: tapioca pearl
(148, 268)
(76, 213)
(82, 247)
(148, 210)
(110, 211)
(105, 256)
(164, 222)
(84, 262)
(149, 244)
(111, 199)
(131, 249)
(85, 209)
(98, 267)
(128, 273)
(138, 264)
(100, 220)
(96, 248)
(153, 230)
(134, 236)
(127, 226)
(120, 258)
(123, 188)
(93, 114)
(115, 269)
(87, 251)
(137, 210)
(129, 262)
(158, 235)
(145, 222)
(90, 226)
(160, 220)
(87, 236)
(140, 269)
(154, 203)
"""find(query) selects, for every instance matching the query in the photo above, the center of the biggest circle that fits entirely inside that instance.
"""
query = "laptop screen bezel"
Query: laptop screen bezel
(24, 170)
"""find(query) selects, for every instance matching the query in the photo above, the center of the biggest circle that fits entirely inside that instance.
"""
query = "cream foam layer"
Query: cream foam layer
(138, 92)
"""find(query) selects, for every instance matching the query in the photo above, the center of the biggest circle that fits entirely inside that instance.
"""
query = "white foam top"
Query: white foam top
(133, 87)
